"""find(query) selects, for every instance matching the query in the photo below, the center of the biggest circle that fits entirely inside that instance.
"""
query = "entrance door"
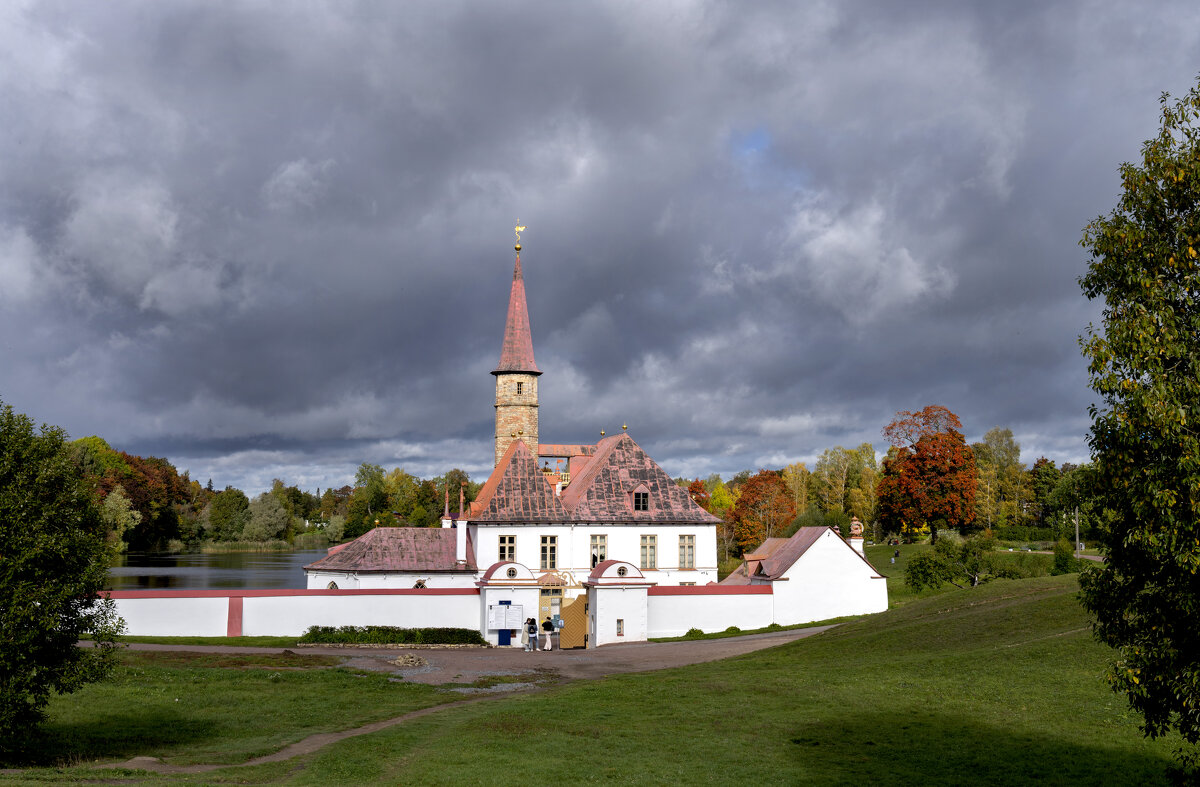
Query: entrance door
(504, 636)
(574, 616)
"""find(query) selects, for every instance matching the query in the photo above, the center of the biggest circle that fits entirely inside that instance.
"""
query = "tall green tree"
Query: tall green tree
(53, 561)
(1144, 364)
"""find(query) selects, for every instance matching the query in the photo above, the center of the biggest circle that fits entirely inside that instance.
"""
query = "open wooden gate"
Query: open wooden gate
(575, 623)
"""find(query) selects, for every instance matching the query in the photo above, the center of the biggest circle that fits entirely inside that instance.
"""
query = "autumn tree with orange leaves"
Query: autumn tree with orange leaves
(763, 510)
(929, 476)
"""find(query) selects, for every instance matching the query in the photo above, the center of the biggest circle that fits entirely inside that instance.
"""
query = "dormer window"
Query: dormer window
(419, 585)
(641, 501)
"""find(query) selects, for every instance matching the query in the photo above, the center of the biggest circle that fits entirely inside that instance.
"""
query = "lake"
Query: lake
(196, 571)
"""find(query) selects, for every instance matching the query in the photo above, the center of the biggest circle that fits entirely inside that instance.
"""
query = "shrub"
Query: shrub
(391, 635)
(1064, 558)
(694, 632)
(733, 630)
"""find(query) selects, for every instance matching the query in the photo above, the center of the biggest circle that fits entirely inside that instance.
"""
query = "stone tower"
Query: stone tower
(516, 375)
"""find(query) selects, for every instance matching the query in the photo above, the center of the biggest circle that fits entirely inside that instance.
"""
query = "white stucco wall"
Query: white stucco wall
(607, 605)
(829, 580)
(672, 611)
(624, 543)
(400, 580)
(174, 616)
(290, 613)
(526, 597)
(287, 615)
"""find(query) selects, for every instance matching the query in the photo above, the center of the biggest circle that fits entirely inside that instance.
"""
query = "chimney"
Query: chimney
(460, 540)
(856, 536)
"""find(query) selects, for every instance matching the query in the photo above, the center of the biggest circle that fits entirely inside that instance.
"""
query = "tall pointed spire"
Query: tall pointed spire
(516, 354)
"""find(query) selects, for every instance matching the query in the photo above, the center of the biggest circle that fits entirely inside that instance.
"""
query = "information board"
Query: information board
(508, 616)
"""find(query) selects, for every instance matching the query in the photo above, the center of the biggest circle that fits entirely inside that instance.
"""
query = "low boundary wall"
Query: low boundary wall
(233, 613)
(672, 611)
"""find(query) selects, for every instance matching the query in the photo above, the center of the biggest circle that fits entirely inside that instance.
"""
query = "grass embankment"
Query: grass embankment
(996, 685)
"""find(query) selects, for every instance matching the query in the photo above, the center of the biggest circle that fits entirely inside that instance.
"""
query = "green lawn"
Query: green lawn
(1001, 684)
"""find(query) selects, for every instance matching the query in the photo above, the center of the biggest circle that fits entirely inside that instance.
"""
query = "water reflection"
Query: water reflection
(249, 570)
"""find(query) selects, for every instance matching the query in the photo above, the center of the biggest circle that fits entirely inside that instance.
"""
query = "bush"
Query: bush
(733, 630)
(694, 632)
(391, 635)
(1064, 558)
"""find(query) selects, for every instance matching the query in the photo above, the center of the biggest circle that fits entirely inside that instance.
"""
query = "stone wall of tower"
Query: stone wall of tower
(516, 413)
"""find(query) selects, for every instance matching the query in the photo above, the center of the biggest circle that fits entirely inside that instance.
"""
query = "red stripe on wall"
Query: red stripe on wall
(279, 593)
(234, 627)
(710, 590)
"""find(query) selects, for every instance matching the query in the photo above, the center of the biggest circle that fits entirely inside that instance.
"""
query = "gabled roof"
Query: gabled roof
(516, 354)
(603, 490)
(776, 555)
(517, 491)
(781, 558)
(387, 549)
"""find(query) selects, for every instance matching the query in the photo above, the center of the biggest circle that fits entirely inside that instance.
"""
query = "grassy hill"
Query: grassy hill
(998, 685)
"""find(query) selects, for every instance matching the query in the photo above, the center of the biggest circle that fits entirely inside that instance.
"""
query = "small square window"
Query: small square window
(641, 501)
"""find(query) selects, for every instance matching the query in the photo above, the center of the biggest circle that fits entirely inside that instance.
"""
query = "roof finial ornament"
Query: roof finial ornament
(518, 230)
(624, 427)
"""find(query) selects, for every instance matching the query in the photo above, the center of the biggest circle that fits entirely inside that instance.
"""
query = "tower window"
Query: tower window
(641, 501)
(520, 388)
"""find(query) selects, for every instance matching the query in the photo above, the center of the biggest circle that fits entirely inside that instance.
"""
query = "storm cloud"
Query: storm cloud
(274, 240)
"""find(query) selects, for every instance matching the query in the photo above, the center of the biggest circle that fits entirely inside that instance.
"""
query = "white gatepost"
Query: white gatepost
(508, 594)
(617, 600)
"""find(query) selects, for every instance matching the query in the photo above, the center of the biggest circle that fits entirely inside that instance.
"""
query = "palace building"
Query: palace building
(595, 503)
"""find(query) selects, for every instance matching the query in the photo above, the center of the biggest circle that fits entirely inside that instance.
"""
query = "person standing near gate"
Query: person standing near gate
(531, 631)
(548, 628)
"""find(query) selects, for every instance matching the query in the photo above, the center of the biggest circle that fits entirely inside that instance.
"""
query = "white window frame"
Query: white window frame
(549, 561)
(649, 553)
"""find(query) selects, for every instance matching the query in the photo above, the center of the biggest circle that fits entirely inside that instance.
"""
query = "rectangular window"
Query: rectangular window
(641, 501)
(649, 551)
(549, 553)
(520, 388)
(599, 550)
(687, 551)
(508, 548)
(687, 584)
(620, 627)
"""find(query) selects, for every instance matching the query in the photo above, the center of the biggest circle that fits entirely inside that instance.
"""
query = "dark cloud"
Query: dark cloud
(273, 241)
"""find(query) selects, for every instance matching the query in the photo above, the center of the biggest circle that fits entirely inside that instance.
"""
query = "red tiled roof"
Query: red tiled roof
(517, 491)
(603, 490)
(565, 449)
(398, 549)
(781, 558)
(516, 354)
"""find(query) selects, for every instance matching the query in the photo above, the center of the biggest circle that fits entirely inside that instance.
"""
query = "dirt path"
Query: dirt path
(463, 666)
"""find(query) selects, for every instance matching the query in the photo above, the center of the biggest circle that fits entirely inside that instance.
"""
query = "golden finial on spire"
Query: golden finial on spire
(518, 230)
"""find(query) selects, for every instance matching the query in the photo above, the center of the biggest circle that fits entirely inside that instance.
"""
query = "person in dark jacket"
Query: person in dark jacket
(531, 631)
(548, 629)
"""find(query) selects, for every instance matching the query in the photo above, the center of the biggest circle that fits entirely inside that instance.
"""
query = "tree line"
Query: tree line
(148, 505)
(931, 479)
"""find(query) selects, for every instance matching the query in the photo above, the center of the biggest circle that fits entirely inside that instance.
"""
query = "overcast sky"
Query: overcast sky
(275, 239)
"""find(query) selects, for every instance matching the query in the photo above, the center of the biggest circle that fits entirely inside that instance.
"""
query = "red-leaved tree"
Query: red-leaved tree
(763, 510)
(930, 482)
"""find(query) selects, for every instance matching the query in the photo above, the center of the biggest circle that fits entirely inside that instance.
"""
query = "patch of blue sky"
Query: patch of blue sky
(760, 164)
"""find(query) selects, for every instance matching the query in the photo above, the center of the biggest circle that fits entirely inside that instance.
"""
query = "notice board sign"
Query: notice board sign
(507, 616)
